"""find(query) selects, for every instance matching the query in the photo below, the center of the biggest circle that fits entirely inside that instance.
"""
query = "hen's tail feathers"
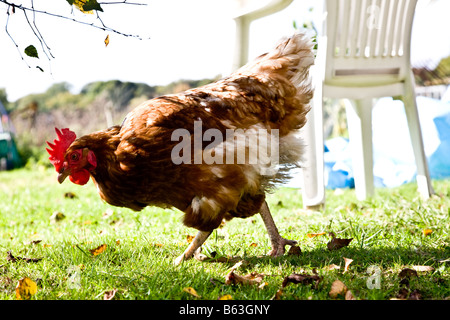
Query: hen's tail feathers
(291, 58)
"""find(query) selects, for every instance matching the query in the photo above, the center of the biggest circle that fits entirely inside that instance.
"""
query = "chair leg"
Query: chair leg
(313, 168)
(359, 119)
(423, 178)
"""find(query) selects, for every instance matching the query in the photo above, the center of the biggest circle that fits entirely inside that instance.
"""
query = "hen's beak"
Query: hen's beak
(63, 174)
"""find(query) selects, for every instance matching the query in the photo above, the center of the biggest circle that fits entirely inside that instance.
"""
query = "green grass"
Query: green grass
(387, 232)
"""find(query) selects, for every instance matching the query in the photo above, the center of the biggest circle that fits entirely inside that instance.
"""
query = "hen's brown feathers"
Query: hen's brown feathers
(135, 161)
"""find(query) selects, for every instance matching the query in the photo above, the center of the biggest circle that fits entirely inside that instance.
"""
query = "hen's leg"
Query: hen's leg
(199, 239)
(276, 240)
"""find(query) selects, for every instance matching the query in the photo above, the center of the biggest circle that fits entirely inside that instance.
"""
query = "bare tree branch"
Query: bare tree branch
(104, 28)
(12, 39)
(34, 27)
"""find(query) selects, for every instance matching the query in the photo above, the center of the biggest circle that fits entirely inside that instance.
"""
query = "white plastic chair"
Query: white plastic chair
(363, 53)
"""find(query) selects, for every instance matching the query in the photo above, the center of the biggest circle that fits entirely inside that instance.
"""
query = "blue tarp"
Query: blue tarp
(394, 162)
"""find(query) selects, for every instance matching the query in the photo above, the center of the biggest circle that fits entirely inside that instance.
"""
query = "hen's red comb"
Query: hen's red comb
(58, 147)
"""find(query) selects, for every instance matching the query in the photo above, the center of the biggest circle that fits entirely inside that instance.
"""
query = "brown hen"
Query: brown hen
(212, 152)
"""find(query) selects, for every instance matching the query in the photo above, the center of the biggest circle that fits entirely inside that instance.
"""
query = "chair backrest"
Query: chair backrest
(367, 41)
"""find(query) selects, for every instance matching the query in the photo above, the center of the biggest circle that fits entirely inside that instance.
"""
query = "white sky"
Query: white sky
(189, 39)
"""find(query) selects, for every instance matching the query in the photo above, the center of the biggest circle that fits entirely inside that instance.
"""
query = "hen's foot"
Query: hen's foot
(197, 256)
(278, 243)
(278, 249)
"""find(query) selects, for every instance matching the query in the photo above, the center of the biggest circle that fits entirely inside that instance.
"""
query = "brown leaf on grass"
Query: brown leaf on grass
(347, 264)
(294, 251)
(34, 242)
(313, 235)
(427, 232)
(331, 267)
(10, 257)
(302, 279)
(337, 288)
(253, 244)
(192, 292)
(404, 294)
(277, 295)
(349, 295)
(57, 216)
(337, 243)
(25, 288)
(70, 195)
(415, 295)
(98, 250)
(109, 295)
(250, 279)
(189, 238)
(407, 273)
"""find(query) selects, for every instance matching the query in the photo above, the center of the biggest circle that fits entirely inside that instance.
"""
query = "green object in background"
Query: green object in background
(9, 156)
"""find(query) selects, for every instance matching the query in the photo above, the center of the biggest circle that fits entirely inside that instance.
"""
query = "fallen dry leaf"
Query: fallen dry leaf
(422, 268)
(407, 273)
(404, 294)
(158, 245)
(109, 295)
(191, 291)
(427, 232)
(347, 264)
(253, 244)
(70, 195)
(331, 267)
(294, 251)
(302, 279)
(10, 257)
(415, 295)
(337, 243)
(98, 250)
(277, 295)
(25, 288)
(57, 216)
(250, 279)
(349, 295)
(189, 238)
(313, 235)
(337, 288)
(226, 297)
(34, 242)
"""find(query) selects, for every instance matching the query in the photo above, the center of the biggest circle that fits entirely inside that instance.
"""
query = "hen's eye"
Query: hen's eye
(74, 156)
